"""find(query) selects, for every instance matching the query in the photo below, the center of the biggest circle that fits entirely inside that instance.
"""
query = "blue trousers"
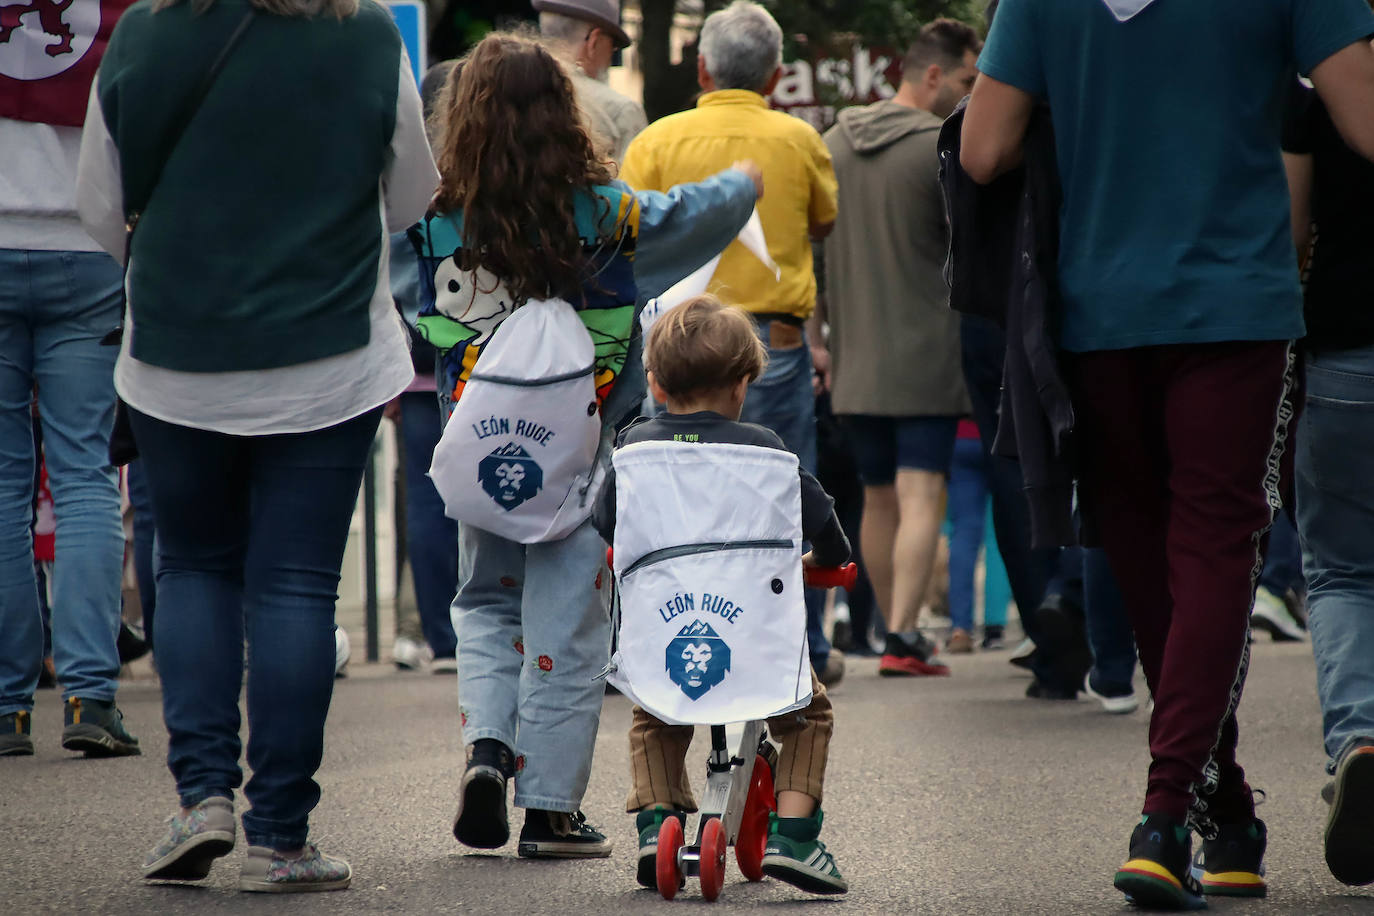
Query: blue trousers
(251, 535)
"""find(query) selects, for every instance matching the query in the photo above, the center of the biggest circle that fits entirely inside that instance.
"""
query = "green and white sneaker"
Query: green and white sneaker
(648, 822)
(795, 855)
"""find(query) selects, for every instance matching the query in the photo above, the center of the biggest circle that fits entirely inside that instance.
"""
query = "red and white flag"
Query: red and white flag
(49, 52)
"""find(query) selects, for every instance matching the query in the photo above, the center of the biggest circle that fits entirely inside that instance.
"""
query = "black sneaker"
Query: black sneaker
(994, 638)
(96, 727)
(904, 657)
(648, 822)
(131, 643)
(14, 734)
(1232, 865)
(556, 835)
(481, 820)
(1043, 690)
(1350, 823)
(1157, 874)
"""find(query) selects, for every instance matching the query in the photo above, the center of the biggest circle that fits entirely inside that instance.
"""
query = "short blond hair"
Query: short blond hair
(703, 345)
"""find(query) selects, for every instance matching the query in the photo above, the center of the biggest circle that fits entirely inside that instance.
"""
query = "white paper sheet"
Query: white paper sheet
(695, 283)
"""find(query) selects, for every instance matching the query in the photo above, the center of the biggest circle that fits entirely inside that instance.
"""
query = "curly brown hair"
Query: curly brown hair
(513, 154)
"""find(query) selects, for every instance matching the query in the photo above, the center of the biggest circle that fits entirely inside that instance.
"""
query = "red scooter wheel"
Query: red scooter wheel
(669, 842)
(753, 828)
(712, 859)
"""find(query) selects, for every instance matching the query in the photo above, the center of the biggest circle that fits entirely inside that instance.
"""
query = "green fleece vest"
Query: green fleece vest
(259, 247)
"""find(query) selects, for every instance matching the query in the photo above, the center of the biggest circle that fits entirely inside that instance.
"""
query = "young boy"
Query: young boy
(701, 357)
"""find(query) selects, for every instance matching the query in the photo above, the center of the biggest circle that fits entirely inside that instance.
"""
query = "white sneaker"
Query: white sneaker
(1271, 615)
(408, 654)
(342, 651)
(447, 665)
(1025, 648)
(1119, 705)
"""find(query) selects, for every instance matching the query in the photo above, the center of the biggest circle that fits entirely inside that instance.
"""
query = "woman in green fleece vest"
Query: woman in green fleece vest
(260, 345)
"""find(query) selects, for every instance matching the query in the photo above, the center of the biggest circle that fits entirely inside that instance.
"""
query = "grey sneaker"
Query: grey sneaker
(97, 728)
(194, 840)
(268, 871)
(14, 734)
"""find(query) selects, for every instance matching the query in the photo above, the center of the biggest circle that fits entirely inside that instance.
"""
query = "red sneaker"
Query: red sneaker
(905, 659)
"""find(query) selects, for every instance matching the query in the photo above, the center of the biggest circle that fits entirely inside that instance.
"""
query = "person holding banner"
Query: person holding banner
(59, 295)
(514, 226)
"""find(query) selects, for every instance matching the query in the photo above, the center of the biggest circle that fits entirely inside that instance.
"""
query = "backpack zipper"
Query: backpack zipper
(686, 550)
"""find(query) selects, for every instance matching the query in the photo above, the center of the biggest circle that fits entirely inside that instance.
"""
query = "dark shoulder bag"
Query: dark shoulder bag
(122, 448)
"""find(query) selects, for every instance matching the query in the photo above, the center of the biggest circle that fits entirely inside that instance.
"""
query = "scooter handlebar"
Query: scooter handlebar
(831, 576)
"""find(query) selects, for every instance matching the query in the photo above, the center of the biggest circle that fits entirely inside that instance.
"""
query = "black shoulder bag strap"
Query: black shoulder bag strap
(122, 448)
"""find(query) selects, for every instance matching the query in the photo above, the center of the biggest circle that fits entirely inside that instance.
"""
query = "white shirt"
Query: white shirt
(289, 399)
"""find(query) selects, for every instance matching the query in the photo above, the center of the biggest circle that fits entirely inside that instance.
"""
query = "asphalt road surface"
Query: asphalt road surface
(952, 795)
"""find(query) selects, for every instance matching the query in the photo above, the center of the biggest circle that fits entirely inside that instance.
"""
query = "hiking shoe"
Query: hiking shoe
(194, 840)
(960, 642)
(1157, 873)
(994, 638)
(557, 835)
(268, 871)
(1271, 614)
(1232, 865)
(96, 727)
(796, 856)
(1350, 823)
(833, 672)
(648, 822)
(911, 655)
(1117, 699)
(481, 821)
(14, 734)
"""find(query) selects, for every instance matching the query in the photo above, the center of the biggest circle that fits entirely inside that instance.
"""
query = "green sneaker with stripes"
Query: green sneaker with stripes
(795, 854)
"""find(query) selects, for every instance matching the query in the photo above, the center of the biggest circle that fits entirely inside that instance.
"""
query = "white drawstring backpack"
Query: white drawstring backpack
(518, 456)
(708, 564)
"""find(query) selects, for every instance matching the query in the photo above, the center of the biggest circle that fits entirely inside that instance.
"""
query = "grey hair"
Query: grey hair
(562, 29)
(339, 9)
(742, 46)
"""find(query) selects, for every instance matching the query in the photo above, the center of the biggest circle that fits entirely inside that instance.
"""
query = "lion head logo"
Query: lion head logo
(697, 659)
(510, 476)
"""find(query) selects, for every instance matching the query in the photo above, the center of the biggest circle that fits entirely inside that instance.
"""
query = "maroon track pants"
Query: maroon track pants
(1183, 464)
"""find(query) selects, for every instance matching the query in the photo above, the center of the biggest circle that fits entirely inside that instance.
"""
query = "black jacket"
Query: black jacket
(1003, 265)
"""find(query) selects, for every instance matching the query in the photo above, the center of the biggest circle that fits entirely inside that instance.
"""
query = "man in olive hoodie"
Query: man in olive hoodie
(897, 384)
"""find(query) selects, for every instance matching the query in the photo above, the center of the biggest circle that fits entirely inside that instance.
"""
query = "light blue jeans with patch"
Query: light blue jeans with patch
(534, 631)
(1335, 490)
(54, 308)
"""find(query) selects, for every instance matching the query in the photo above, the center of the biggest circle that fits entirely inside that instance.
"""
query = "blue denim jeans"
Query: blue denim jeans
(54, 308)
(785, 402)
(1335, 496)
(1283, 562)
(431, 536)
(251, 534)
(145, 544)
(968, 503)
(1109, 629)
(534, 631)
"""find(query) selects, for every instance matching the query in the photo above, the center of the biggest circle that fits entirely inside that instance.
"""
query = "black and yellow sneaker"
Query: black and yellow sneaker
(1232, 865)
(96, 728)
(1157, 874)
(14, 734)
(648, 822)
(794, 854)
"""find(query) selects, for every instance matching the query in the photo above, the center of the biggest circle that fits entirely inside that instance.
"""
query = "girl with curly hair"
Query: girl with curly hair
(527, 211)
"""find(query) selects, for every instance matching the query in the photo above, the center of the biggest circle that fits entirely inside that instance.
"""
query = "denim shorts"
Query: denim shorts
(883, 445)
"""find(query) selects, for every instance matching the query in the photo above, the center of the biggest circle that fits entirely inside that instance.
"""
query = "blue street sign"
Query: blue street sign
(410, 19)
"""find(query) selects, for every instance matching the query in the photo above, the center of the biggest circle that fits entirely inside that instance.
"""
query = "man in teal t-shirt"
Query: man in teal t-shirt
(1179, 302)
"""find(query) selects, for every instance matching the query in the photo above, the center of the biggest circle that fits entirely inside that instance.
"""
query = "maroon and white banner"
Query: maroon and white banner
(49, 52)
(815, 89)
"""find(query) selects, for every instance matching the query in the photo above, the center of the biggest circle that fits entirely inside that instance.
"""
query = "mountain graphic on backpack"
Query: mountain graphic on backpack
(510, 476)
